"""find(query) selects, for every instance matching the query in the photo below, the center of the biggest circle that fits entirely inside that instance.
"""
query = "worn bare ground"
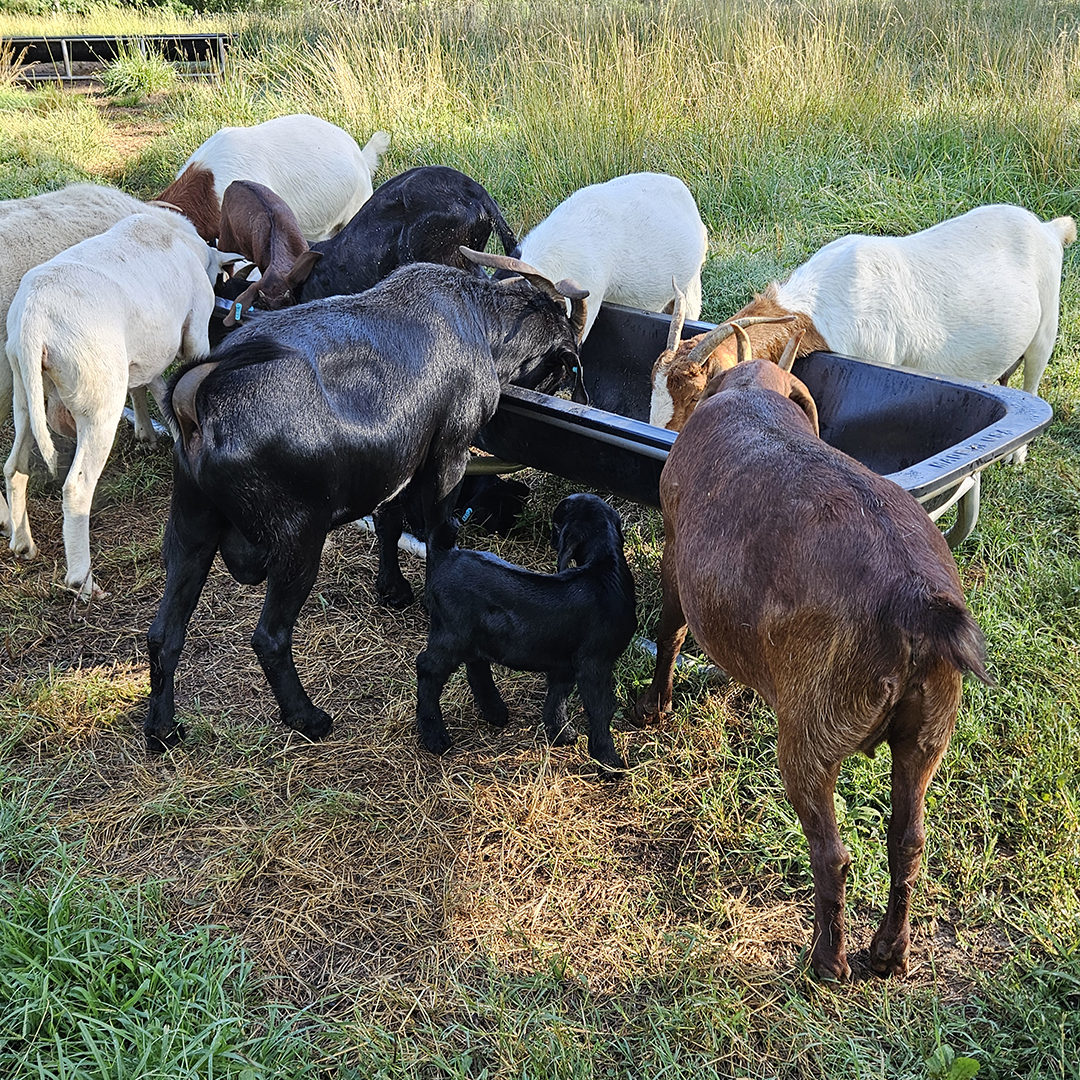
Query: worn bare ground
(362, 866)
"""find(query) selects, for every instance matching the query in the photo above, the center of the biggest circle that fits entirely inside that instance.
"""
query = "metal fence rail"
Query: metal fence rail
(62, 52)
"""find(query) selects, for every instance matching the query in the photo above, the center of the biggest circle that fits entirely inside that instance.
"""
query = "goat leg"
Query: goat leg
(594, 683)
(391, 588)
(288, 585)
(486, 694)
(188, 558)
(918, 744)
(669, 641)
(809, 785)
(432, 671)
(557, 726)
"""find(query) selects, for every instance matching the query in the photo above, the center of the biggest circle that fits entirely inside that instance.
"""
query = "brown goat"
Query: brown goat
(259, 225)
(827, 589)
(686, 366)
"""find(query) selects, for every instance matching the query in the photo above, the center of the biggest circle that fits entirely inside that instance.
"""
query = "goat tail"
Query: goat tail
(948, 631)
(1065, 227)
(28, 355)
(374, 149)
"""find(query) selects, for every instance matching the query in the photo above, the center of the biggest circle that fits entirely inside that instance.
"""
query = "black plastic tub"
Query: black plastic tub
(931, 435)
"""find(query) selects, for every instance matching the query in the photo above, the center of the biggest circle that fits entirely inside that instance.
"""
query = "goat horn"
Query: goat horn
(182, 401)
(678, 318)
(787, 358)
(722, 332)
(515, 266)
(167, 205)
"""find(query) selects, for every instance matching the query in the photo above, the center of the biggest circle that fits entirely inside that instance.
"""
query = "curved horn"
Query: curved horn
(515, 266)
(787, 357)
(182, 401)
(678, 318)
(166, 205)
(722, 332)
(743, 350)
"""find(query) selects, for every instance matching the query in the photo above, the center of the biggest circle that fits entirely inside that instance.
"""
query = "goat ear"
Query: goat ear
(301, 269)
(801, 396)
(241, 304)
(568, 540)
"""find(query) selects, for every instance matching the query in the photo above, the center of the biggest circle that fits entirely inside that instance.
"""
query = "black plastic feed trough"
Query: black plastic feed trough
(929, 434)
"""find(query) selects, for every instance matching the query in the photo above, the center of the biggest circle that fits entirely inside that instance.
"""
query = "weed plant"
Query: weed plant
(498, 914)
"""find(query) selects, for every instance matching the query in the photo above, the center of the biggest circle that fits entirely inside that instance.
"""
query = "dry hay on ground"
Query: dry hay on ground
(362, 868)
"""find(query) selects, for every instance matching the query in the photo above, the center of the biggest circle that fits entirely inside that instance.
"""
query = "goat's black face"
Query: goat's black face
(582, 523)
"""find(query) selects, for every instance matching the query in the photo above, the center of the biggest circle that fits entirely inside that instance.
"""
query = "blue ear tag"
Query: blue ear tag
(465, 517)
(239, 311)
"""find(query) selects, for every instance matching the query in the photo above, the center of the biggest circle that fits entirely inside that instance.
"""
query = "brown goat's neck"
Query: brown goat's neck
(193, 193)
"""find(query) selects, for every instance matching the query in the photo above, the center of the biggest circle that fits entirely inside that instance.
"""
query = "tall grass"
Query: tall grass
(792, 123)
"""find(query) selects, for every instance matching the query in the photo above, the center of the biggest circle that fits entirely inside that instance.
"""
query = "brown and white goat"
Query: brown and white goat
(687, 365)
(828, 590)
(259, 225)
(315, 166)
(973, 297)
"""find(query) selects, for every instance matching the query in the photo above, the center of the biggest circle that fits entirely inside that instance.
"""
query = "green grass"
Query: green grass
(96, 982)
(792, 124)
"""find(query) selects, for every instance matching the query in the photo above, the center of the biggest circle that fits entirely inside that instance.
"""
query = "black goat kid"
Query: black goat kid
(573, 625)
(316, 415)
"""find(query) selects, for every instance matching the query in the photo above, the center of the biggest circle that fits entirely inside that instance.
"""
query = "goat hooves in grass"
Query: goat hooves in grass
(397, 595)
(316, 725)
(434, 740)
(889, 958)
(647, 710)
(567, 735)
(610, 766)
(830, 969)
(158, 743)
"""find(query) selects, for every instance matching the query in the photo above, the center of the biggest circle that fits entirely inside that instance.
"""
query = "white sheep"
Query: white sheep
(35, 229)
(972, 297)
(103, 316)
(624, 241)
(315, 166)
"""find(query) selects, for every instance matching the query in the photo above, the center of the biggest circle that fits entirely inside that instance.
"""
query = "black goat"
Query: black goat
(316, 415)
(573, 625)
(424, 215)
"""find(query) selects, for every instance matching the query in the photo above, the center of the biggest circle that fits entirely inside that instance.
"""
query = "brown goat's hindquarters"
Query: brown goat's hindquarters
(828, 590)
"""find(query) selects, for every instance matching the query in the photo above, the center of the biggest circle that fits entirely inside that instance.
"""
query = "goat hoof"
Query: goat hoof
(316, 726)
(610, 766)
(396, 596)
(832, 970)
(646, 711)
(157, 743)
(566, 736)
(435, 742)
(497, 717)
(889, 958)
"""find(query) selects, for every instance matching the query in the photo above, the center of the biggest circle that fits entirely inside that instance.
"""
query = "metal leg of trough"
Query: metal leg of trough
(67, 58)
(967, 514)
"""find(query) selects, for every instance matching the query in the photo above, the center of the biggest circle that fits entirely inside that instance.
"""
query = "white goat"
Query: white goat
(972, 297)
(103, 316)
(624, 241)
(315, 166)
(35, 229)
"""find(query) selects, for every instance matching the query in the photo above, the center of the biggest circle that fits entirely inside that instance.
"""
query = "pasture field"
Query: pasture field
(251, 905)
